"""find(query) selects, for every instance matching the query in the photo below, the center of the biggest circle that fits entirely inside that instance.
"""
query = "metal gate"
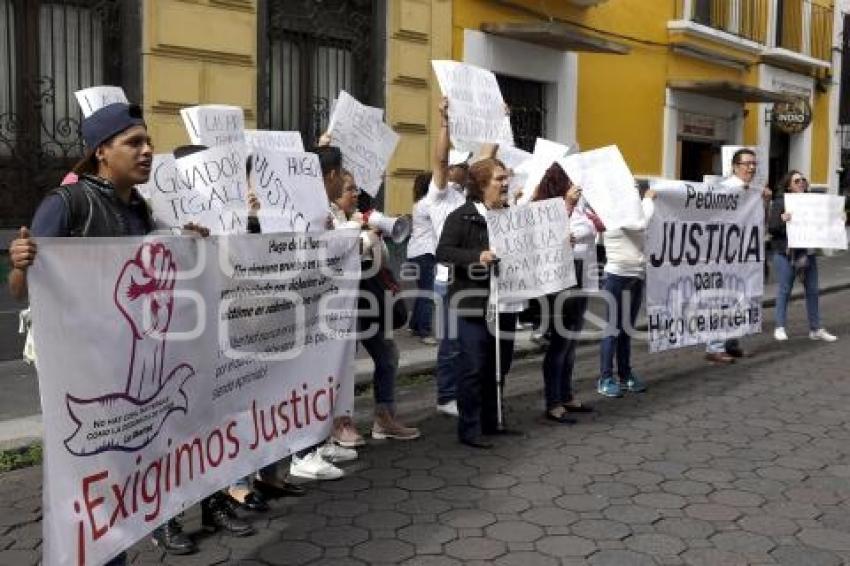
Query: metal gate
(48, 50)
(311, 51)
(527, 101)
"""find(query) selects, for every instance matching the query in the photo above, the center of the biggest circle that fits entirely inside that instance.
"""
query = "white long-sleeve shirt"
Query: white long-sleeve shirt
(624, 247)
(423, 240)
(441, 203)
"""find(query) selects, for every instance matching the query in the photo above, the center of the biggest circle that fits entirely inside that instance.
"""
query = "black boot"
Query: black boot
(170, 538)
(217, 513)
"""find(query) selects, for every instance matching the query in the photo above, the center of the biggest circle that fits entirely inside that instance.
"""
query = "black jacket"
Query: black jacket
(776, 226)
(463, 239)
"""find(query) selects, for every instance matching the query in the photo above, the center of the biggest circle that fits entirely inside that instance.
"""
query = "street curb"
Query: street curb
(21, 432)
(363, 375)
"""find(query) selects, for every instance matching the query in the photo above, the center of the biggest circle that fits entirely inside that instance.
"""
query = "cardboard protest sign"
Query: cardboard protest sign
(291, 191)
(533, 243)
(817, 221)
(476, 107)
(607, 185)
(93, 99)
(704, 251)
(214, 125)
(275, 140)
(210, 190)
(203, 360)
(762, 169)
(366, 142)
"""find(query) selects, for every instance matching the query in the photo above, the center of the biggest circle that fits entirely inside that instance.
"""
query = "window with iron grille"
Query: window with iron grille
(49, 50)
(310, 51)
(527, 102)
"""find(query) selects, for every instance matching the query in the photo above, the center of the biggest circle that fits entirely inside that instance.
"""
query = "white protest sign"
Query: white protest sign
(214, 124)
(514, 159)
(366, 142)
(476, 106)
(163, 177)
(548, 149)
(607, 185)
(193, 376)
(762, 169)
(93, 99)
(817, 221)
(268, 139)
(211, 190)
(704, 252)
(712, 179)
(533, 244)
(291, 191)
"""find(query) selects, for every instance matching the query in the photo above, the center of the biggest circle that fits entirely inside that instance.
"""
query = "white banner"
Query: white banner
(366, 142)
(607, 185)
(93, 99)
(279, 141)
(211, 191)
(533, 243)
(291, 191)
(214, 124)
(476, 106)
(817, 221)
(762, 169)
(704, 264)
(169, 376)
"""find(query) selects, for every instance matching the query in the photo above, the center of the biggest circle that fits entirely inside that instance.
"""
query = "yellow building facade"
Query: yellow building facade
(698, 74)
(669, 82)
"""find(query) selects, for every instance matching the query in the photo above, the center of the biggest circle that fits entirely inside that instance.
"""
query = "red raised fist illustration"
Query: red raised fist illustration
(144, 291)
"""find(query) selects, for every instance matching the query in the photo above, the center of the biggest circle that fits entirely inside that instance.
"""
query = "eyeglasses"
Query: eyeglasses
(355, 190)
(799, 180)
(748, 163)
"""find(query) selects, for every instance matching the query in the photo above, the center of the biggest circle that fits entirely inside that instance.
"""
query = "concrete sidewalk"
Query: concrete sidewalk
(20, 408)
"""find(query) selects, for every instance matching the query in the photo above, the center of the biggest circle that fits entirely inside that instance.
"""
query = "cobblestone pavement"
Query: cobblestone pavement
(746, 464)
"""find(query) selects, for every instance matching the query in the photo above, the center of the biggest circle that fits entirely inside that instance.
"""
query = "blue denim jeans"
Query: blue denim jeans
(384, 354)
(448, 367)
(627, 293)
(423, 306)
(785, 274)
(476, 388)
(560, 357)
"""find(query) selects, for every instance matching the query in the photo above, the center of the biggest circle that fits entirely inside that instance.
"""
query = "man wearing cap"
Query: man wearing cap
(102, 203)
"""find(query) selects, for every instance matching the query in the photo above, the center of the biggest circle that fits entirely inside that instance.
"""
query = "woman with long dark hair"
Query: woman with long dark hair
(790, 263)
(566, 308)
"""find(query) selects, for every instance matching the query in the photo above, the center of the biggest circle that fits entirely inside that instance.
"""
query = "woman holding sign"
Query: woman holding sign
(464, 244)
(790, 263)
(566, 307)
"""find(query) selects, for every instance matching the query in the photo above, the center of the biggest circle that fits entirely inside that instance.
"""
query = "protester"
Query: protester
(105, 203)
(372, 330)
(744, 167)
(566, 308)
(420, 252)
(625, 270)
(464, 245)
(791, 263)
(445, 194)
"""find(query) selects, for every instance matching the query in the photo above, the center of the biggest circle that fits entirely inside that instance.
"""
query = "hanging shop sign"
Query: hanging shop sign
(792, 117)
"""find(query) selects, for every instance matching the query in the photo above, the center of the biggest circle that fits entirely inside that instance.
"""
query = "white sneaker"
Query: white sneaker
(822, 334)
(780, 334)
(449, 408)
(313, 467)
(334, 454)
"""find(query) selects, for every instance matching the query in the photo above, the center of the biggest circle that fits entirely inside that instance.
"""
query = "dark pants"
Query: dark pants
(423, 306)
(561, 356)
(627, 293)
(476, 388)
(384, 354)
(448, 354)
